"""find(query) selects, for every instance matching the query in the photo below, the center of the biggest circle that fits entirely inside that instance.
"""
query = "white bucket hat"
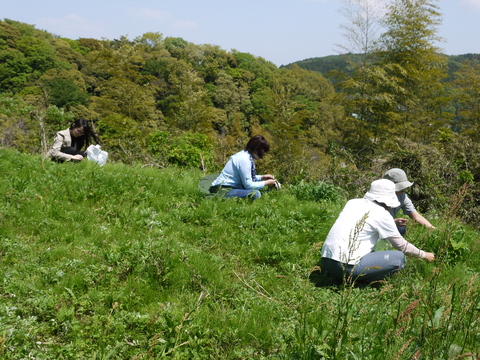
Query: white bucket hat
(399, 177)
(383, 191)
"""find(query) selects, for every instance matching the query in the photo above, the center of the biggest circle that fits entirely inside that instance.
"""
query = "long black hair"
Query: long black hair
(88, 133)
(257, 146)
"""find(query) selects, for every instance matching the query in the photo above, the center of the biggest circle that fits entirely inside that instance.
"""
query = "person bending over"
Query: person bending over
(239, 174)
(68, 144)
(348, 251)
(401, 182)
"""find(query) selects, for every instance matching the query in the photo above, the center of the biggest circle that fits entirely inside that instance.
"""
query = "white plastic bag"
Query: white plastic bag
(94, 153)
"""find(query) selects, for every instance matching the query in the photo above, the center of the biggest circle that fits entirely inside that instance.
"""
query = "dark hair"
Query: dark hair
(257, 146)
(383, 205)
(88, 132)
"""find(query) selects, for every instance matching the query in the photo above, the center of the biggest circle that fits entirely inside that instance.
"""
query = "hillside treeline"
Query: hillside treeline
(346, 63)
(165, 101)
(160, 100)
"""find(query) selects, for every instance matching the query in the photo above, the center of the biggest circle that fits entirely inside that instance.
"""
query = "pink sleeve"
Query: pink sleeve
(404, 246)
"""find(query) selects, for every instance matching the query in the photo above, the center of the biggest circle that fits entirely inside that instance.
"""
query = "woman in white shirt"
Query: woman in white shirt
(239, 175)
(348, 252)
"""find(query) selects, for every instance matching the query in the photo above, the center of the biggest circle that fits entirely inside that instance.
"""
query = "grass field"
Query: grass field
(128, 262)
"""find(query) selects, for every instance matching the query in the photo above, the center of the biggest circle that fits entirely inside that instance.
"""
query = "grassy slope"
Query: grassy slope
(130, 262)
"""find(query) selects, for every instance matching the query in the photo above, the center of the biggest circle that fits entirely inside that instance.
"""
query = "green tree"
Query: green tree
(306, 113)
(408, 43)
(176, 46)
(152, 41)
(122, 137)
(9, 35)
(467, 97)
(40, 55)
(210, 60)
(231, 96)
(120, 87)
(66, 56)
(16, 128)
(182, 96)
(191, 150)
(65, 93)
(363, 84)
(14, 70)
(370, 102)
(64, 88)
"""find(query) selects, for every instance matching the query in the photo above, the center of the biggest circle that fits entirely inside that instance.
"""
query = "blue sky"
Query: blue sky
(281, 31)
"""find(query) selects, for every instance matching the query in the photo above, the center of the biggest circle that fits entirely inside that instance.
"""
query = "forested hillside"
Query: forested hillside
(346, 63)
(163, 101)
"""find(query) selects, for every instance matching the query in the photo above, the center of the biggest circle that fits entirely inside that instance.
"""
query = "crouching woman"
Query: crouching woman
(71, 144)
(239, 177)
(348, 251)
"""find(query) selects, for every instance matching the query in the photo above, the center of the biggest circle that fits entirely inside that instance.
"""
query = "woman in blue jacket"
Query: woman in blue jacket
(239, 175)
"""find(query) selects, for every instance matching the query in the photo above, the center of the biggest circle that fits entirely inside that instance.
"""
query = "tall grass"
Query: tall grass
(126, 262)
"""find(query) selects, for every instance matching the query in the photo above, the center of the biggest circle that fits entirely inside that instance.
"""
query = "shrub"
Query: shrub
(191, 150)
(317, 191)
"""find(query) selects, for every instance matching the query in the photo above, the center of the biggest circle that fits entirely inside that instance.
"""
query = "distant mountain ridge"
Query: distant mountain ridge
(343, 62)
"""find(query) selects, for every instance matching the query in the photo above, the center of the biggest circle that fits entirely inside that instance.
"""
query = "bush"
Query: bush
(317, 191)
(191, 150)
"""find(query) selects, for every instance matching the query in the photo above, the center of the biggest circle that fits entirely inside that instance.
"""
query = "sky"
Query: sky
(280, 31)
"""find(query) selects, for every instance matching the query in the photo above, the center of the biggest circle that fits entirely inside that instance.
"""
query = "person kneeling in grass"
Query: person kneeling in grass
(399, 178)
(348, 252)
(68, 144)
(239, 175)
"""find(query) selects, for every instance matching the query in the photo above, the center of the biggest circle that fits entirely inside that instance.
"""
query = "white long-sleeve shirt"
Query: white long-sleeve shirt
(349, 240)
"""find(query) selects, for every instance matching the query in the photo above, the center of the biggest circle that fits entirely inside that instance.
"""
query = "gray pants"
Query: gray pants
(372, 267)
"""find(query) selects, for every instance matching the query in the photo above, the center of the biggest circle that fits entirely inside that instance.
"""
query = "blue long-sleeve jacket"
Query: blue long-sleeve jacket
(237, 173)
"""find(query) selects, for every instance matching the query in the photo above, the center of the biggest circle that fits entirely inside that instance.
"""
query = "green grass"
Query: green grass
(126, 262)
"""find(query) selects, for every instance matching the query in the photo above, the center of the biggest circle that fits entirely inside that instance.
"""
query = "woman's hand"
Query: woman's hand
(268, 176)
(401, 221)
(77, 157)
(270, 182)
(429, 256)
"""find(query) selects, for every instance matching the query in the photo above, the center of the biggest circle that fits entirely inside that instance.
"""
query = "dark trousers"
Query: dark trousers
(72, 151)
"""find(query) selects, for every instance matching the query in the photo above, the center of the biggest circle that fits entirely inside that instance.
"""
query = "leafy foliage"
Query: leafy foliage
(317, 192)
(191, 150)
(159, 101)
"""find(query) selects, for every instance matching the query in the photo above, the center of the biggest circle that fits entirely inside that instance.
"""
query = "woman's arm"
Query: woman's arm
(421, 220)
(55, 150)
(404, 246)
